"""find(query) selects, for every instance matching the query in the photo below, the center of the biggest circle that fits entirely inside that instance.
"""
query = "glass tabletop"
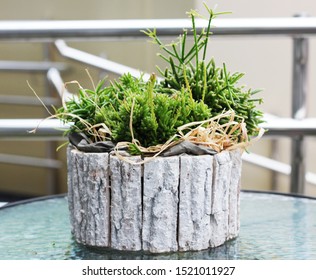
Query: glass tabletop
(273, 226)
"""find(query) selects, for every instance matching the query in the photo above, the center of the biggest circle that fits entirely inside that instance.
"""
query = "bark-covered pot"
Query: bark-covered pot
(168, 204)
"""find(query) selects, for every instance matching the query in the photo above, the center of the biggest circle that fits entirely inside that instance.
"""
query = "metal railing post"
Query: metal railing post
(299, 93)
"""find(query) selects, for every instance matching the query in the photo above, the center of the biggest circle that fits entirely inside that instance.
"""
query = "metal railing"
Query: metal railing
(43, 30)
(297, 28)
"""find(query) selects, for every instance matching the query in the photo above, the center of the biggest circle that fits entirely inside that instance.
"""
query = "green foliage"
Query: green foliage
(132, 103)
(192, 90)
(214, 86)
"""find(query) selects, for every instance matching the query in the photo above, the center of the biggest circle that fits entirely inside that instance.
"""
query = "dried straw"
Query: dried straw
(210, 133)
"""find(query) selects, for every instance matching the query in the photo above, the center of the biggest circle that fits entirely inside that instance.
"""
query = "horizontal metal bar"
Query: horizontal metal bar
(267, 163)
(30, 161)
(276, 166)
(289, 127)
(27, 100)
(21, 128)
(75, 29)
(53, 127)
(30, 66)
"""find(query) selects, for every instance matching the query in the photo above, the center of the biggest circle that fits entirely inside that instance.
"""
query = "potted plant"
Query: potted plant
(155, 165)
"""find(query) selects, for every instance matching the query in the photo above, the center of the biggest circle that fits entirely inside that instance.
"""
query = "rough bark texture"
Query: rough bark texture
(178, 203)
(220, 206)
(234, 192)
(88, 194)
(160, 205)
(195, 202)
(126, 205)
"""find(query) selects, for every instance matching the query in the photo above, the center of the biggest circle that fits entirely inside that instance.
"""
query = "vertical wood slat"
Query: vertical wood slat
(160, 205)
(89, 197)
(234, 192)
(220, 207)
(126, 205)
(170, 204)
(195, 202)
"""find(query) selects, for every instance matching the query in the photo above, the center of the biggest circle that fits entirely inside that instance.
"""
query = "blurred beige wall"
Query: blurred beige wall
(267, 62)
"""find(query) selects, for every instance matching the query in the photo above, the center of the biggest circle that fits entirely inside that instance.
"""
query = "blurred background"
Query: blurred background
(265, 60)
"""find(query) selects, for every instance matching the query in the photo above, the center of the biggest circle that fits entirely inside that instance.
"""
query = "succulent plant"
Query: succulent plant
(149, 113)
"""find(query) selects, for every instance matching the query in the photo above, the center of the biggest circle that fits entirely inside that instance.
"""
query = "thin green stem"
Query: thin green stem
(196, 51)
(207, 34)
(176, 55)
(204, 81)
(184, 38)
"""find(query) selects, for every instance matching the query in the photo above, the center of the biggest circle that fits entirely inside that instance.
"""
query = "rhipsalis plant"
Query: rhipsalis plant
(194, 95)
(214, 86)
(132, 109)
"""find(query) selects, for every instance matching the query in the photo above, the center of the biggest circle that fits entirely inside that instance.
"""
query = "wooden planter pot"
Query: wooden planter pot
(177, 203)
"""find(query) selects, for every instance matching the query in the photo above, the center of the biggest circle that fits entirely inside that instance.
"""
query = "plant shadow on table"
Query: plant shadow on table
(227, 251)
